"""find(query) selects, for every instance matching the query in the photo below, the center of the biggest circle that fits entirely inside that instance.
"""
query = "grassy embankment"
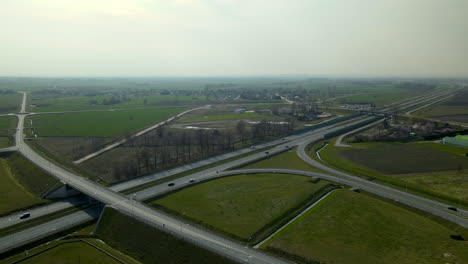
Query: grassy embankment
(101, 124)
(7, 126)
(148, 244)
(78, 247)
(285, 160)
(245, 206)
(22, 183)
(350, 227)
(428, 168)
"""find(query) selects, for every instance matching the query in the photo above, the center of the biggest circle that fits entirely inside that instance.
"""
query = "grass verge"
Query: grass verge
(244, 207)
(148, 244)
(355, 227)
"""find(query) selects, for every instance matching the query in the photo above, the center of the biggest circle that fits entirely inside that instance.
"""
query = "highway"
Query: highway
(131, 207)
(196, 235)
(37, 212)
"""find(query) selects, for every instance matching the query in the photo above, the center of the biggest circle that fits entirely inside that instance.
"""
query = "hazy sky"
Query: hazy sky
(233, 37)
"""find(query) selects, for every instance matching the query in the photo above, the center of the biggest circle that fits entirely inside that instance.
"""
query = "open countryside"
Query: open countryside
(208, 132)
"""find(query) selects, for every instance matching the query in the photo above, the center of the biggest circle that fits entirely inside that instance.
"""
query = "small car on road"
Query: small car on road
(171, 184)
(25, 215)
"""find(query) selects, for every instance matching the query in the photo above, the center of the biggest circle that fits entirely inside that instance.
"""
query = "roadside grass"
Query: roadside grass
(58, 103)
(30, 176)
(104, 124)
(444, 183)
(243, 206)
(287, 160)
(11, 190)
(80, 246)
(192, 171)
(359, 228)
(148, 244)
(74, 252)
(10, 103)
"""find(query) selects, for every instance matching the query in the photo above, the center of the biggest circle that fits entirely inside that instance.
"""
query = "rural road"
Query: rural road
(202, 237)
(144, 131)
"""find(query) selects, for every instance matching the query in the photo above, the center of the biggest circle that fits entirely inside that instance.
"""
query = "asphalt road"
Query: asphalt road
(39, 211)
(124, 204)
(196, 235)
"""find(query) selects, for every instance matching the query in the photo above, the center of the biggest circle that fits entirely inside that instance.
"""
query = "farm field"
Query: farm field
(10, 102)
(241, 205)
(287, 160)
(454, 109)
(420, 166)
(350, 227)
(72, 148)
(379, 99)
(104, 124)
(7, 124)
(149, 245)
(58, 103)
(14, 188)
(222, 116)
(404, 158)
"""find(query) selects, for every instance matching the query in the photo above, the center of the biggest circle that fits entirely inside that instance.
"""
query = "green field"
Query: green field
(17, 186)
(242, 205)
(379, 99)
(286, 160)
(223, 116)
(7, 126)
(405, 158)
(10, 103)
(354, 227)
(148, 244)
(453, 109)
(439, 169)
(58, 103)
(118, 123)
(72, 253)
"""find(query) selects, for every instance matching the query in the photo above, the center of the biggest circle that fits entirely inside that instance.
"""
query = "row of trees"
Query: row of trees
(168, 147)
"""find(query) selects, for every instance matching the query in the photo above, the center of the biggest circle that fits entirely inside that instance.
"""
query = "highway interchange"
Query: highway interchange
(112, 197)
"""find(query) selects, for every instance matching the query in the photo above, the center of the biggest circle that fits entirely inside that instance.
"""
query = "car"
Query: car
(283, 139)
(191, 180)
(453, 208)
(266, 152)
(252, 147)
(25, 215)
(286, 146)
(171, 184)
